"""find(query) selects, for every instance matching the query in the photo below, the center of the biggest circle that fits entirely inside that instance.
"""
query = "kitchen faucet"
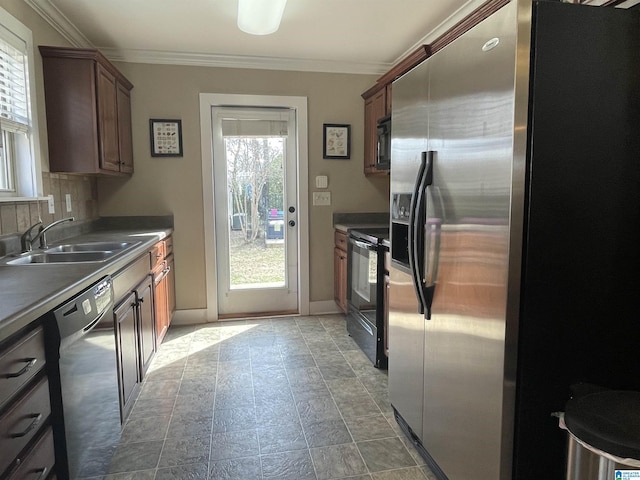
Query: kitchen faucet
(27, 240)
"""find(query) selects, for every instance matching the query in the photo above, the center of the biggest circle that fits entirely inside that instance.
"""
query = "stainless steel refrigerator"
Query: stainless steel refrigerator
(515, 235)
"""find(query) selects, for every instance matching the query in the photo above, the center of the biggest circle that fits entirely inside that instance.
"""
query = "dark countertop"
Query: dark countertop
(29, 291)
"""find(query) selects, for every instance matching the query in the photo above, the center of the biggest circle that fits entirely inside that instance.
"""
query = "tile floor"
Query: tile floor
(284, 398)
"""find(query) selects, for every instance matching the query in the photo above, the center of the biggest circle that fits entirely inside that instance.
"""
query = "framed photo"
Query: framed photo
(166, 137)
(336, 141)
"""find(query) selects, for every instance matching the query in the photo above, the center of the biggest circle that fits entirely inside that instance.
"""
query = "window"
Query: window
(19, 159)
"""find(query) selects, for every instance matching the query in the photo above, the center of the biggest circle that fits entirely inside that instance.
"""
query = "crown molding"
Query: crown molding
(240, 61)
(460, 14)
(70, 32)
(60, 23)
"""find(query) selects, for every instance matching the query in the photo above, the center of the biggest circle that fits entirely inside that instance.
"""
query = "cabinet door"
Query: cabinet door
(171, 287)
(160, 301)
(146, 328)
(127, 345)
(125, 141)
(107, 120)
(340, 278)
(375, 108)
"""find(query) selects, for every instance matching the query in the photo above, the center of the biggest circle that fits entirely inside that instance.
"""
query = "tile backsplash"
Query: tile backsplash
(16, 217)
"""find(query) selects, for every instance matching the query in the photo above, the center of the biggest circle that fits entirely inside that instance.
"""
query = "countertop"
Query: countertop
(345, 227)
(29, 291)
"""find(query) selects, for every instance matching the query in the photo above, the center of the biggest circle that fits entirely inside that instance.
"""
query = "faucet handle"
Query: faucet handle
(26, 239)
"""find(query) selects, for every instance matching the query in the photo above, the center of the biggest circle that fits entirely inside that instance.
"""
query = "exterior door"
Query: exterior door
(255, 191)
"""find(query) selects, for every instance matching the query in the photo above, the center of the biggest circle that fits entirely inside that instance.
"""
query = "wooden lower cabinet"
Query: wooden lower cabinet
(39, 461)
(135, 337)
(127, 351)
(340, 270)
(146, 327)
(164, 287)
(161, 296)
(26, 439)
(171, 286)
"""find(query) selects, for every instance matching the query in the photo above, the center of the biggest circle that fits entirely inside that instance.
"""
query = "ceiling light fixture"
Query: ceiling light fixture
(260, 17)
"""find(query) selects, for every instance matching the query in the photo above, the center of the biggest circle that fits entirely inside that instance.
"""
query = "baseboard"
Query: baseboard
(322, 307)
(190, 317)
(199, 315)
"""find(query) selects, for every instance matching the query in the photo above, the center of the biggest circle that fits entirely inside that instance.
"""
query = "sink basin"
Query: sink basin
(61, 257)
(90, 247)
(72, 253)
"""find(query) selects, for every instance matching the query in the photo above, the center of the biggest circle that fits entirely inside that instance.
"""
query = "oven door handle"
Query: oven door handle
(361, 244)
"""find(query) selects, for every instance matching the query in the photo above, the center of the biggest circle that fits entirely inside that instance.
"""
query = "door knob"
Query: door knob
(292, 209)
(292, 223)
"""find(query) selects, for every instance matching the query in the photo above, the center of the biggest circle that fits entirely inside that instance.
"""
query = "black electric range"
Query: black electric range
(365, 292)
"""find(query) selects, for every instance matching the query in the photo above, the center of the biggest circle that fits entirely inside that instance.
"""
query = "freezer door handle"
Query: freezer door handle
(417, 222)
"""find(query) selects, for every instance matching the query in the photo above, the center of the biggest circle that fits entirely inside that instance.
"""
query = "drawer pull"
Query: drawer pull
(30, 363)
(37, 417)
(43, 473)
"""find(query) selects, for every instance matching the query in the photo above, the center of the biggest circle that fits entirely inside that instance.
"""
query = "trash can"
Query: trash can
(604, 434)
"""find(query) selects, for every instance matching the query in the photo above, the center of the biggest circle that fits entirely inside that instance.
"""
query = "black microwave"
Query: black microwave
(383, 160)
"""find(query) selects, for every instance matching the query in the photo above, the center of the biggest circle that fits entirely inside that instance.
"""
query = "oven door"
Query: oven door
(362, 276)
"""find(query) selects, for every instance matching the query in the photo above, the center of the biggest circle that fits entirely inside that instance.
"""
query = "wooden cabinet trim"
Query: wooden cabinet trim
(86, 54)
(466, 24)
(416, 57)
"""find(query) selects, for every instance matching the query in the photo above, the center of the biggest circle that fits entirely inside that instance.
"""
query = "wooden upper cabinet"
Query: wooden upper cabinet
(88, 106)
(375, 107)
(125, 140)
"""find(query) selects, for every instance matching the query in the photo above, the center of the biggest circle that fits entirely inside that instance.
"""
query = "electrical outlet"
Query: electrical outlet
(52, 204)
(67, 198)
(322, 198)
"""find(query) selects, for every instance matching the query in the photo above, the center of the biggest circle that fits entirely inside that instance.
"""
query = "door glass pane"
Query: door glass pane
(255, 189)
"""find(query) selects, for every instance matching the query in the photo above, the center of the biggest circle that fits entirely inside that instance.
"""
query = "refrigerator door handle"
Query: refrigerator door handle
(417, 222)
(412, 247)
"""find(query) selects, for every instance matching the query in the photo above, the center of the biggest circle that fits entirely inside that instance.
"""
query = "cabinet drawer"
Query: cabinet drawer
(19, 362)
(38, 462)
(341, 239)
(168, 246)
(125, 280)
(20, 424)
(158, 253)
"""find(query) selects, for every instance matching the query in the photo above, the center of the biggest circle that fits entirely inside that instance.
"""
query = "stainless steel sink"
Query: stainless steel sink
(61, 257)
(83, 252)
(90, 247)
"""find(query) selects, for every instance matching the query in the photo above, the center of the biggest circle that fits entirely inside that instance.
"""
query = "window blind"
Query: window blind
(253, 128)
(14, 105)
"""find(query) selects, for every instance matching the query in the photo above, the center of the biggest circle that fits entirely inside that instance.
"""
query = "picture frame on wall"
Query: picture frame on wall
(166, 137)
(336, 141)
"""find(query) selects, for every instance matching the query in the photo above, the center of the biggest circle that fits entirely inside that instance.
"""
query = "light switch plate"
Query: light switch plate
(322, 198)
(52, 205)
(67, 198)
(322, 181)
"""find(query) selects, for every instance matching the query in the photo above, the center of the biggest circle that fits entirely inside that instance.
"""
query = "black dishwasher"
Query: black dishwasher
(88, 383)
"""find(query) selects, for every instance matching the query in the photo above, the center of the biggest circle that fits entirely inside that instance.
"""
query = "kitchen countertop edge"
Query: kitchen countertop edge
(86, 275)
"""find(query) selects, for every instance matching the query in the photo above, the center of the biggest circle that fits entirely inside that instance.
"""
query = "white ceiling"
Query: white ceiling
(350, 36)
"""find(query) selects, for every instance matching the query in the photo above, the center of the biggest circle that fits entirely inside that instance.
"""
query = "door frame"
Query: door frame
(207, 102)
